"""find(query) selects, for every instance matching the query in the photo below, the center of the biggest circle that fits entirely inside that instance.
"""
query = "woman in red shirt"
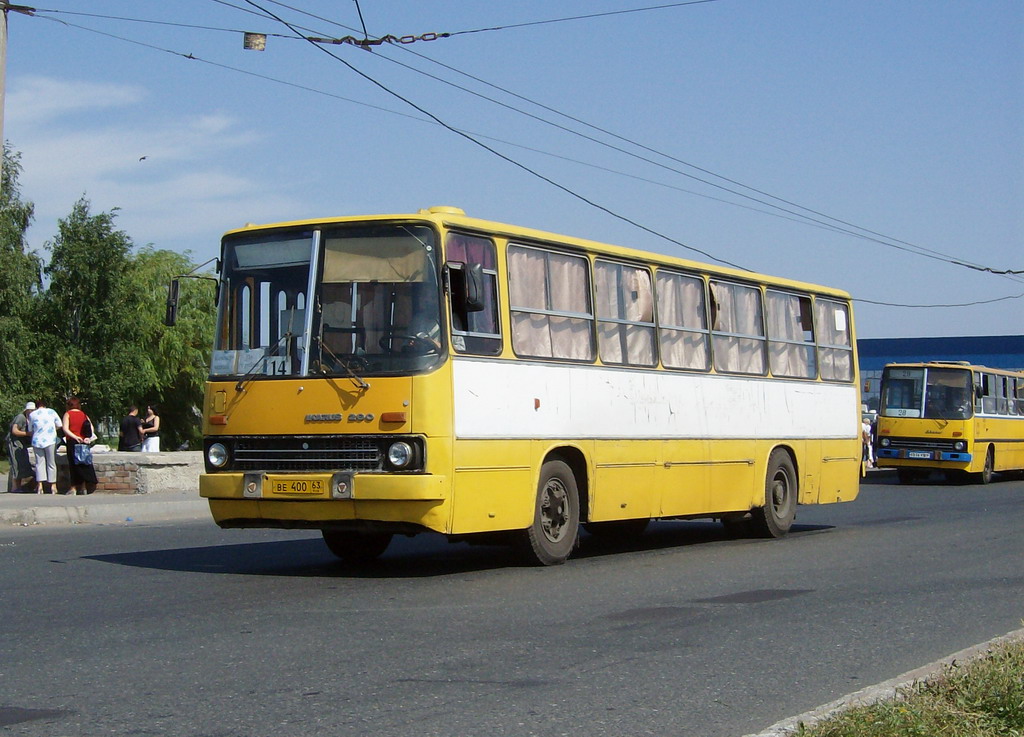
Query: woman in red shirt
(78, 429)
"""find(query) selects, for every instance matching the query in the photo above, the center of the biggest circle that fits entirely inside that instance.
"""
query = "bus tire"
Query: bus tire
(556, 517)
(780, 495)
(357, 547)
(985, 477)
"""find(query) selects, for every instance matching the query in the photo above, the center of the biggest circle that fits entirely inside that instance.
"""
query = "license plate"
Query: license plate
(303, 485)
(919, 454)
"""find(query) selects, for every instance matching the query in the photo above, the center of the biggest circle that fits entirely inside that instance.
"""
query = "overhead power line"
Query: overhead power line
(960, 304)
(801, 212)
(418, 119)
(834, 223)
(500, 155)
(469, 137)
(510, 26)
(365, 41)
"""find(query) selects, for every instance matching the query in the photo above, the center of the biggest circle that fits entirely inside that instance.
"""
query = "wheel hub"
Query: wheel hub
(554, 516)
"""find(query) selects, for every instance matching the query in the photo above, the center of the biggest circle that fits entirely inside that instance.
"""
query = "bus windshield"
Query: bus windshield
(374, 310)
(931, 393)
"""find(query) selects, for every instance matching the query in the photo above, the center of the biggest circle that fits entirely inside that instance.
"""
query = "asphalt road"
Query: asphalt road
(189, 630)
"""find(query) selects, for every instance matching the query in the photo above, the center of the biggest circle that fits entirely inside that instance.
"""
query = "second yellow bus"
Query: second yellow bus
(964, 420)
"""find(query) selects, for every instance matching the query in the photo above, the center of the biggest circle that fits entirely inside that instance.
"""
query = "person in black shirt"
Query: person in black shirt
(131, 431)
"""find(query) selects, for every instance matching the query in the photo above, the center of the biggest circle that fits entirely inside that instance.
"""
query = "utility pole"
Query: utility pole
(3, 76)
(5, 6)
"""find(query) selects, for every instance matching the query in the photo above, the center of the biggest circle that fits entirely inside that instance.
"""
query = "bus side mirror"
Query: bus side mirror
(473, 300)
(978, 391)
(171, 316)
(467, 287)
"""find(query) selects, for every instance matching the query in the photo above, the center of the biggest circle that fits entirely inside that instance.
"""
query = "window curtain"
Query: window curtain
(738, 315)
(624, 295)
(835, 352)
(550, 295)
(682, 322)
(790, 341)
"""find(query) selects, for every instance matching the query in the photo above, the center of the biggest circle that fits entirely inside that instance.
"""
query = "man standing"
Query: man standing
(130, 438)
(18, 441)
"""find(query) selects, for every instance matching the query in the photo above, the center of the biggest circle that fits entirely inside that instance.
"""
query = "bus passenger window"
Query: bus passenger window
(738, 331)
(479, 331)
(835, 351)
(790, 335)
(682, 322)
(625, 313)
(989, 405)
(550, 301)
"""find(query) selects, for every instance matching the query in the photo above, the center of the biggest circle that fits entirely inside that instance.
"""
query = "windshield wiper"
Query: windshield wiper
(356, 379)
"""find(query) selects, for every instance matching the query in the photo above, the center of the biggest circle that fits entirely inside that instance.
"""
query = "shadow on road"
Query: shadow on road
(422, 556)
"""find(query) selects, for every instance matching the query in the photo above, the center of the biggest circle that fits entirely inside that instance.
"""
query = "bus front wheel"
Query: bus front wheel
(985, 477)
(357, 547)
(780, 494)
(556, 517)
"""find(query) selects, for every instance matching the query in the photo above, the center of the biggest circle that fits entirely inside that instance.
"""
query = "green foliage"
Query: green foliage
(982, 699)
(19, 288)
(178, 356)
(97, 329)
(92, 310)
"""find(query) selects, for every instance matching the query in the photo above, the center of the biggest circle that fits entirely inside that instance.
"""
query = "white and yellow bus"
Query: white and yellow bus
(396, 374)
(950, 416)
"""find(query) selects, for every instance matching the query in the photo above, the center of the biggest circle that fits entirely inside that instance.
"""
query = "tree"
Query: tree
(97, 330)
(179, 356)
(91, 313)
(19, 291)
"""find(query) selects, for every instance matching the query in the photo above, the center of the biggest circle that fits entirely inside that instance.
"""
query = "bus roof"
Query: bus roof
(453, 217)
(967, 365)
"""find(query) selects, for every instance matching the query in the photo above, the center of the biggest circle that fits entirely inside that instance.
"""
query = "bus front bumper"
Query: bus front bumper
(922, 455)
(323, 486)
(391, 502)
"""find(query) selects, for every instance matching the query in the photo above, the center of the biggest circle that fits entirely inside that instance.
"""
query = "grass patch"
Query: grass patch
(983, 698)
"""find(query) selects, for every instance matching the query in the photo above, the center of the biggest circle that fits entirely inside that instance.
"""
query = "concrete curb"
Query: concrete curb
(106, 513)
(886, 689)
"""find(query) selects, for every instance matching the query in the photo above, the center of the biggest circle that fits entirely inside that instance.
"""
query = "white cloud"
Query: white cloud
(37, 100)
(179, 182)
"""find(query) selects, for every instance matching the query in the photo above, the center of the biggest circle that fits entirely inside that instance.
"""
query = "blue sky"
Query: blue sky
(900, 117)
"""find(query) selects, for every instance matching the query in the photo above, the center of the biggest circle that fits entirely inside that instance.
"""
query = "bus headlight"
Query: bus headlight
(884, 442)
(217, 455)
(960, 445)
(400, 455)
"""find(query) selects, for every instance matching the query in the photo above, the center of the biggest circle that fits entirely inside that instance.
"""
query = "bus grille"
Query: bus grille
(921, 444)
(312, 453)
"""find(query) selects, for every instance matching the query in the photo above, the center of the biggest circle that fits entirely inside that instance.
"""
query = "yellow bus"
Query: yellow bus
(951, 416)
(397, 374)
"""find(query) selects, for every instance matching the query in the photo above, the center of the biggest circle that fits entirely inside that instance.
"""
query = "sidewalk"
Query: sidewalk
(31, 510)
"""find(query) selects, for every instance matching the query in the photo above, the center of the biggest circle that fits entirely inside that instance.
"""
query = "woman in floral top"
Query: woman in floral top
(44, 423)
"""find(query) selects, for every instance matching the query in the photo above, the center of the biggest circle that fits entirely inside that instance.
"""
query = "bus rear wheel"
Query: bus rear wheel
(357, 547)
(780, 494)
(556, 517)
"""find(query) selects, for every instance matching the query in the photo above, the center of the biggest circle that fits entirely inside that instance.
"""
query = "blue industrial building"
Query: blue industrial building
(995, 351)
